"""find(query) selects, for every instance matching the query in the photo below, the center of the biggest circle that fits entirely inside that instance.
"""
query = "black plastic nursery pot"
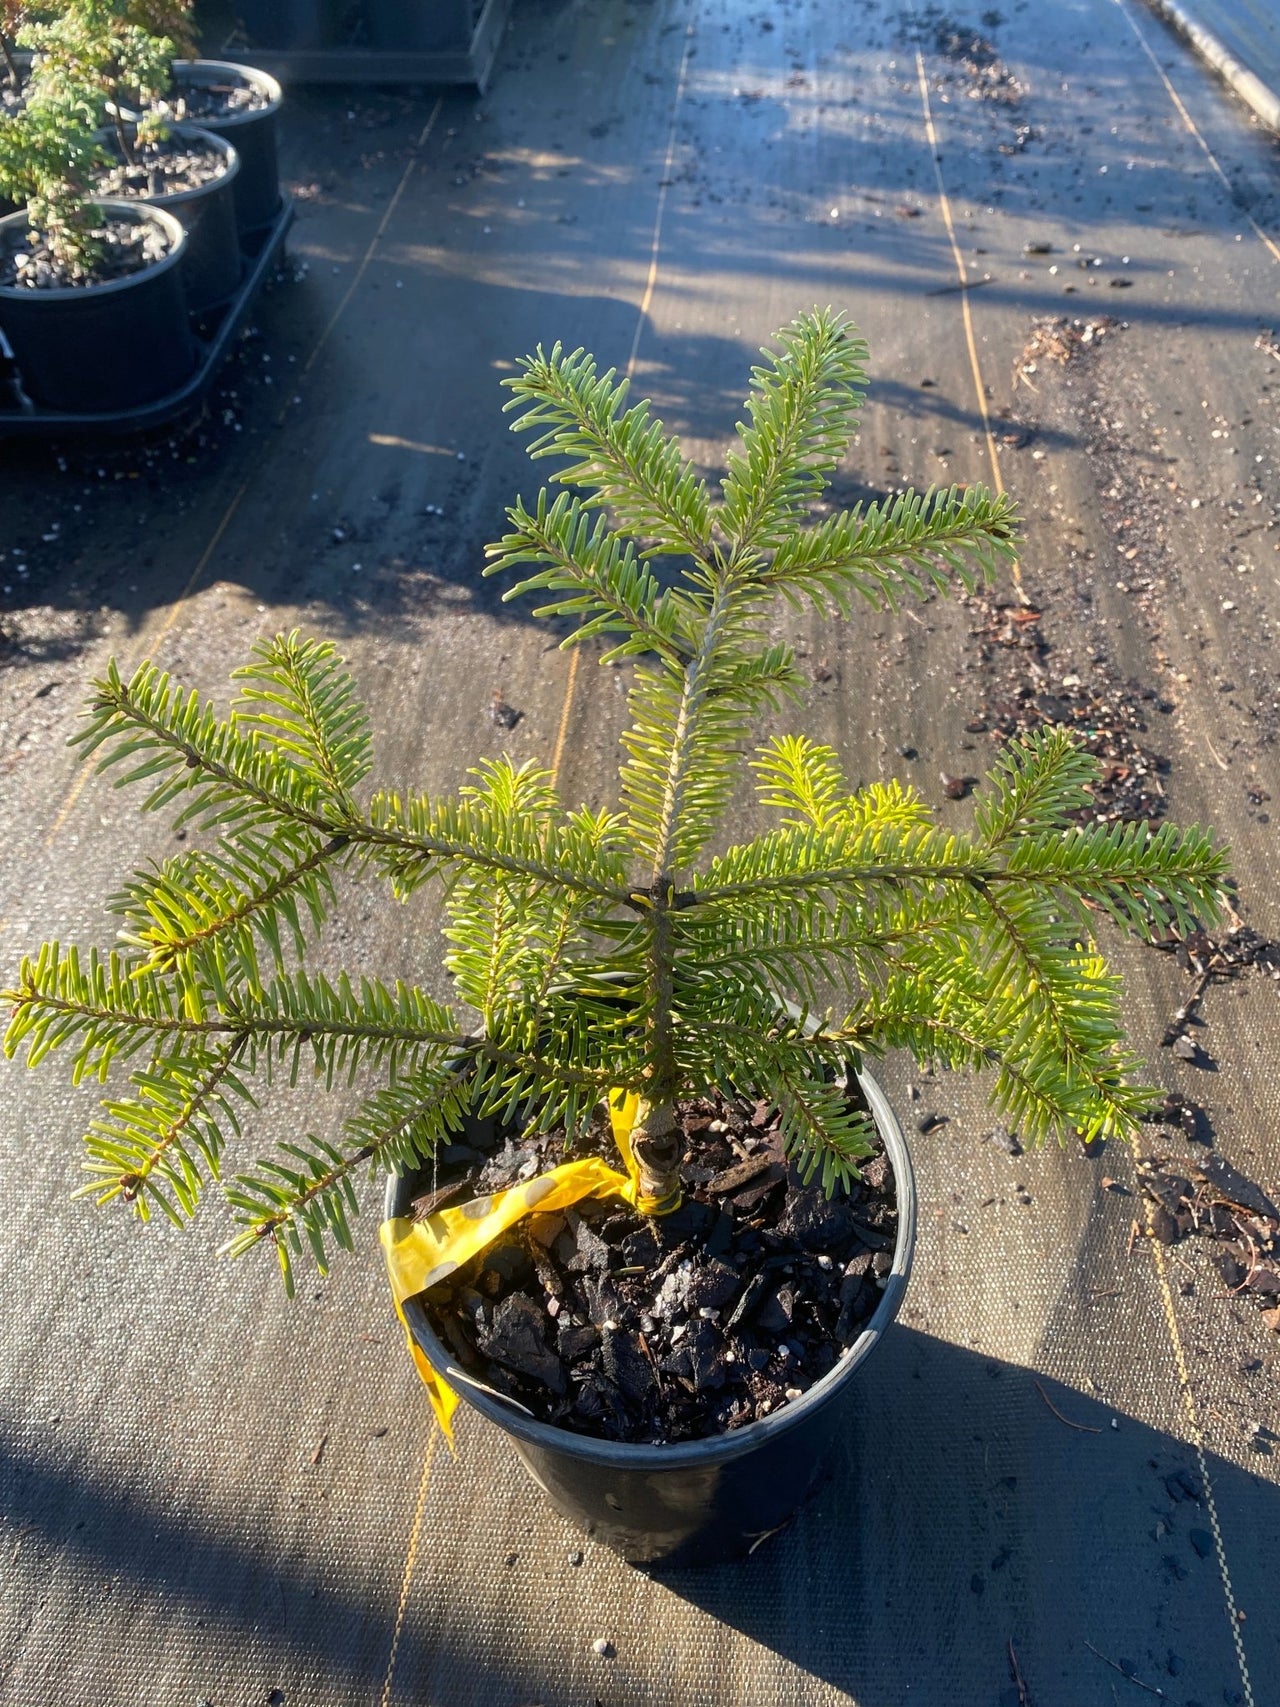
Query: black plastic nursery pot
(419, 26)
(702, 1501)
(102, 346)
(252, 133)
(292, 23)
(211, 264)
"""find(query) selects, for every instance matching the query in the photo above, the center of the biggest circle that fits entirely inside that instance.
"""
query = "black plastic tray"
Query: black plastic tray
(215, 334)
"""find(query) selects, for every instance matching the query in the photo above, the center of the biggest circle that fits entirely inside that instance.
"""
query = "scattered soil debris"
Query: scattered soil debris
(1056, 338)
(977, 61)
(1107, 718)
(503, 716)
(1213, 1200)
(612, 1324)
(1179, 1111)
(1214, 959)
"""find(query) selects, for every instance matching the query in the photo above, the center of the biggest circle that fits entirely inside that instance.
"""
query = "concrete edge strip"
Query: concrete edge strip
(1264, 101)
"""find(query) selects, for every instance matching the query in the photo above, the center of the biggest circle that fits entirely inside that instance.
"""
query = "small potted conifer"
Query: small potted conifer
(103, 58)
(236, 102)
(91, 298)
(650, 1211)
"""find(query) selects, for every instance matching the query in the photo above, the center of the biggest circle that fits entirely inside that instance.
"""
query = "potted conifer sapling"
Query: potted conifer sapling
(91, 299)
(648, 1211)
(110, 58)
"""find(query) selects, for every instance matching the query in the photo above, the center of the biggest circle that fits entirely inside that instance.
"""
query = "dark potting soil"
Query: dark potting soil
(127, 247)
(191, 102)
(659, 1329)
(164, 168)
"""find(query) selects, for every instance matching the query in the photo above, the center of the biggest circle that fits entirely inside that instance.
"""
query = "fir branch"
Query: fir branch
(803, 405)
(606, 588)
(621, 456)
(215, 903)
(235, 778)
(143, 1151)
(907, 546)
(1037, 782)
(297, 694)
(312, 1195)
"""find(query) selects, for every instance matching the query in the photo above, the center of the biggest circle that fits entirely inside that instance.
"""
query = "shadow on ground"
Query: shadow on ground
(975, 1506)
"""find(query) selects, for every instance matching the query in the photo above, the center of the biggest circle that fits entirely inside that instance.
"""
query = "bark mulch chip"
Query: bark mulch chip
(1211, 1199)
(608, 1323)
(1211, 959)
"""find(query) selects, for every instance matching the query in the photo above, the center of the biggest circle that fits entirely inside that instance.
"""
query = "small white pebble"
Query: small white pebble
(603, 1647)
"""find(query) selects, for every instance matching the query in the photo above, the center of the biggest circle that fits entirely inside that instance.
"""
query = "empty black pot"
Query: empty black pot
(701, 1501)
(420, 26)
(94, 348)
(251, 132)
(291, 24)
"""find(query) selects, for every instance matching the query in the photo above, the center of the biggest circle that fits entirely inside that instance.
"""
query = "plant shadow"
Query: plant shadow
(979, 1511)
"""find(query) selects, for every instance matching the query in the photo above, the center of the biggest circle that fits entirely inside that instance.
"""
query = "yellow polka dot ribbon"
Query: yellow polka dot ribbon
(419, 1254)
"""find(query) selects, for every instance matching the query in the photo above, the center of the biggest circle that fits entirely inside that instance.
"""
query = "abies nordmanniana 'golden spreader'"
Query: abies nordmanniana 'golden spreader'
(607, 949)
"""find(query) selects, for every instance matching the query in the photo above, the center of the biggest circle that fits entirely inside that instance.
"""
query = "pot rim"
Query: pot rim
(719, 1448)
(180, 198)
(191, 69)
(137, 211)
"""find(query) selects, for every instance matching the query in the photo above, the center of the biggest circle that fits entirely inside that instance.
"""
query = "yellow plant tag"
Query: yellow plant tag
(419, 1254)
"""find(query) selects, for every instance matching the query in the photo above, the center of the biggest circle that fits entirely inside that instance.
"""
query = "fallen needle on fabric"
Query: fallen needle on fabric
(1024, 1700)
(1150, 1688)
(1084, 1428)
